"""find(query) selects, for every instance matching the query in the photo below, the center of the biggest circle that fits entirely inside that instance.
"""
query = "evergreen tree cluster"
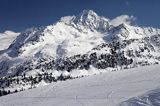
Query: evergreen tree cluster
(102, 61)
(83, 61)
(23, 80)
(4, 92)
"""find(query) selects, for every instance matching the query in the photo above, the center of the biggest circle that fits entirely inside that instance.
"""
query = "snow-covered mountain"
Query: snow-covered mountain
(7, 38)
(72, 46)
(69, 36)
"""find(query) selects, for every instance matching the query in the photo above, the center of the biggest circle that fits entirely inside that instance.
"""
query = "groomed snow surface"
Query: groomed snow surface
(132, 87)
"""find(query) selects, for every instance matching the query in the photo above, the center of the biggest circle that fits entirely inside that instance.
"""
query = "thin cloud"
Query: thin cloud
(130, 20)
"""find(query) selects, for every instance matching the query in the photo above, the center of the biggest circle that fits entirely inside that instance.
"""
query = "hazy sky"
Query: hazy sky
(18, 15)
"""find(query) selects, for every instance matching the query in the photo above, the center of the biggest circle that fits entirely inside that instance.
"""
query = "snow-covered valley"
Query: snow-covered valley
(107, 89)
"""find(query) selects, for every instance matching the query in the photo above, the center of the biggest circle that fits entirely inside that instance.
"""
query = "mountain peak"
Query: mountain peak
(88, 13)
(89, 19)
(82, 17)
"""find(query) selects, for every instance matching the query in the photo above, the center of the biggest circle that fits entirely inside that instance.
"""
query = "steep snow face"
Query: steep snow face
(7, 38)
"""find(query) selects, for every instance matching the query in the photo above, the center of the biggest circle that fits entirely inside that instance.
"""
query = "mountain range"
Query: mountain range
(75, 46)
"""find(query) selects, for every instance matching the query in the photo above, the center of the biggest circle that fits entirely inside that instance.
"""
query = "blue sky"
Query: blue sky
(17, 15)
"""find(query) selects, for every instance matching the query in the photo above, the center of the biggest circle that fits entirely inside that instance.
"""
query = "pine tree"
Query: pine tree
(15, 91)
(8, 92)
(0, 93)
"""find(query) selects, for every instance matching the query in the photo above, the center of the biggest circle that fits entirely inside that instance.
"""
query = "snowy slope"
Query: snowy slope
(108, 89)
(7, 38)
